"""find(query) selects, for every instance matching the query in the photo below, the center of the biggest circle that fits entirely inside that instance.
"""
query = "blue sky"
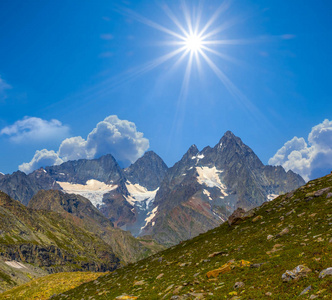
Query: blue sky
(67, 66)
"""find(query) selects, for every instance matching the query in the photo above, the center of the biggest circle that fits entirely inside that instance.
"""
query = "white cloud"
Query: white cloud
(118, 137)
(310, 160)
(73, 148)
(111, 136)
(31, 129)
(42, 158)
(3, 87)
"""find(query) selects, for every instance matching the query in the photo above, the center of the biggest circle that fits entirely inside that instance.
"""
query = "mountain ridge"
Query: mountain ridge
(205, 186)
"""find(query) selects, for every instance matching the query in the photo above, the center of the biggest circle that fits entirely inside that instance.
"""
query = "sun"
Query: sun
(193, 43)
(195, 39)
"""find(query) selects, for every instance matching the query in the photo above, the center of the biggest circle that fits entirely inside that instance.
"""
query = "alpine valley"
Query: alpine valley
(92, 215)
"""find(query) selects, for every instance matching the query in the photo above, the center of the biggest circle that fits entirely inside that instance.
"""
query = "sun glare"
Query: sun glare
(193, 43)
(196, 39)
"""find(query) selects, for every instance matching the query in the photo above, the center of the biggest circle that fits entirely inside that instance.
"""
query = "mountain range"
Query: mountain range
(172, 204)
(280, 250)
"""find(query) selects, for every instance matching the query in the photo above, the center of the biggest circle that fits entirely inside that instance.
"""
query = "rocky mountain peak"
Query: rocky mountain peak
(147, 171)
(104, 169)
(231, 149)
(229, 139)
(193, 150)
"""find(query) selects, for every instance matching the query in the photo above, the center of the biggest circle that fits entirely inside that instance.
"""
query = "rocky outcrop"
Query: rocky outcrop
(54, 259)
(236, 217)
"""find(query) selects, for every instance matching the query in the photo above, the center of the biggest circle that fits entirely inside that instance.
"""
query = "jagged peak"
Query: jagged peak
(147, 156)
(193, 150)
(228, 136)
(151, 155)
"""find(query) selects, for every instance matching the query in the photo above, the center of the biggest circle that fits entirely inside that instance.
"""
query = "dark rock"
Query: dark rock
(236, 217)
(238, 285)
(297, 273)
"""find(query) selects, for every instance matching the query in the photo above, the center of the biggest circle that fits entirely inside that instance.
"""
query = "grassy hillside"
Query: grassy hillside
(45, 242)
(45, 287)
(81, 210)
(243, 261)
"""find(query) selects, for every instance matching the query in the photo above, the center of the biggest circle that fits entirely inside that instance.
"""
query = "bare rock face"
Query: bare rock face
(104, 169)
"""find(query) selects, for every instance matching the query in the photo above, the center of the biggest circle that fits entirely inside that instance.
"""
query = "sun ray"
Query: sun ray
(187, 17)
(229, 42)
(223, 27)
(222, 8)
(143, 20)
(171, 15)
(198, 16)
(180, 59)
(224, 56)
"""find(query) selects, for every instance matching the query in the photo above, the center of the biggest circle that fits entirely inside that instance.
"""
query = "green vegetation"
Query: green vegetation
(294, 229)
(46, 242)
(45, 287)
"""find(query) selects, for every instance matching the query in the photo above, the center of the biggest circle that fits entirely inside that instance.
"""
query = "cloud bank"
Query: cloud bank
(110, 136)
(31, 129)
(312, 159)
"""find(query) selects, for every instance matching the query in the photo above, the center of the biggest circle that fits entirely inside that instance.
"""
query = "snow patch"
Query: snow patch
(44, 171)
(215, 214)
(150, 216)
(200, 156)
(2, 173)
(207, 193)
(270, 197)
(210, 178)
(15, 264)
(139, 194)
(93, 190)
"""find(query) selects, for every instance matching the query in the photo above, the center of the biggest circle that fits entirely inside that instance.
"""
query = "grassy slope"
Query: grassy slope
(46, 241)
(45, 287)
(86, 216)
(309, 242)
